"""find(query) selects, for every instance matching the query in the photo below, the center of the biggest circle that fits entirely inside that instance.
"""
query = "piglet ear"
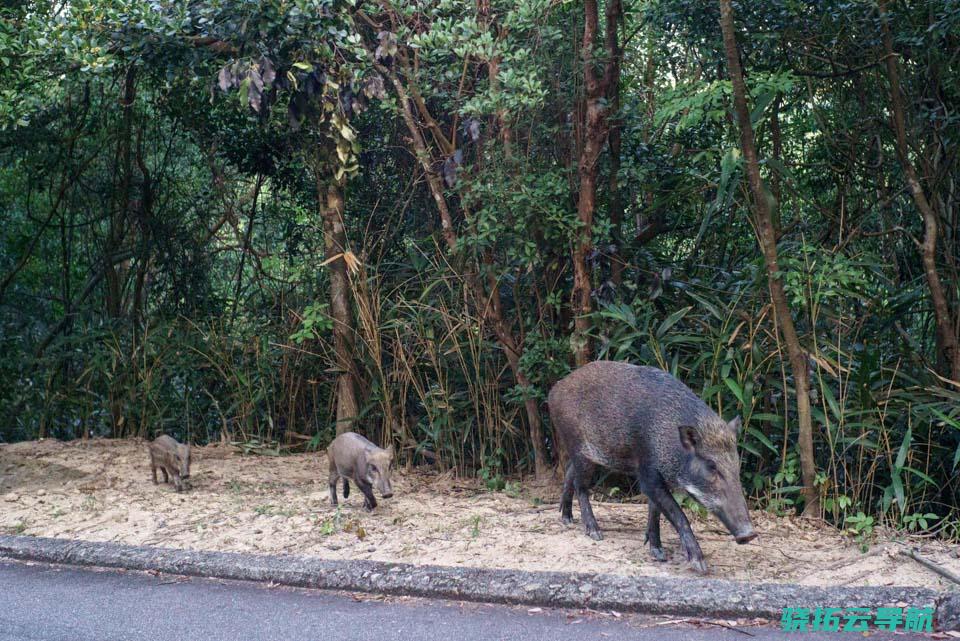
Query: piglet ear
(736, 425)
(688, 438)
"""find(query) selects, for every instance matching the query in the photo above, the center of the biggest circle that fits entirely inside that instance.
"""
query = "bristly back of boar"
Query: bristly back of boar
(607, 410)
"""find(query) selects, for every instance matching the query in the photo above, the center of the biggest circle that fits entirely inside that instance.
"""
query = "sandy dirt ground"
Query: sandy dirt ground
(100, 490)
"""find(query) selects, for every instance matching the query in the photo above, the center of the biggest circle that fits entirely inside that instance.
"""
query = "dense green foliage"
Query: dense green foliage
(162, 252)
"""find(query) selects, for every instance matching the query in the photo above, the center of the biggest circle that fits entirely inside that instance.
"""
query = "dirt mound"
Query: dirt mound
(100, 490)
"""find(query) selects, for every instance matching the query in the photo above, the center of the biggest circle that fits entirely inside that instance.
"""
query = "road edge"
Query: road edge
(648, 595)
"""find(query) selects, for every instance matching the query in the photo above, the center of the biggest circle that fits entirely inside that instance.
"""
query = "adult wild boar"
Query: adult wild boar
(172, 458)
(354, 458)
(643, 422)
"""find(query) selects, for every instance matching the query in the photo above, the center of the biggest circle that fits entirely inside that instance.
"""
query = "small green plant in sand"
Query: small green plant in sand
(860, 526)
(475, 526)
(331, 525)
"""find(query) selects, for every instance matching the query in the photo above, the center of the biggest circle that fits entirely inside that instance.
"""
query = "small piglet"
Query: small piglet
(172, 458)
(356, 459)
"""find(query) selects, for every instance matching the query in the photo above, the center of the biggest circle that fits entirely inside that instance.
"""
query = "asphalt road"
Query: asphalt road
(40, 602)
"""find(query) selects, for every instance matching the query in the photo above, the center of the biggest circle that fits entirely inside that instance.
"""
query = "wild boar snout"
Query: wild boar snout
(711, 474)
(386, 489)
(746, 538)
(384, 466)
(183, 460)
(735, 516)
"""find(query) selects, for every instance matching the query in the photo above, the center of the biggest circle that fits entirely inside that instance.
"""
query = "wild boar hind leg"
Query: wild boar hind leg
(582, 482)
(566, 498)
(334, 477)
(653, 533)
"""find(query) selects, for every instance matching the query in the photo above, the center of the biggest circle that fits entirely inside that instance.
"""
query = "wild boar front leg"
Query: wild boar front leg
(665, 503)
(166, 478)
(153, 469)
(369, 501)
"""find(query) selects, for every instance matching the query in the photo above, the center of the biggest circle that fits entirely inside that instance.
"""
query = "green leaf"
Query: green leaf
(760, 436)
(832, 402)
(735, 388)
(765, 99)
(774, 419)
(671, 320)
(920, 474)
(904, 448)
(245, 92)
(707, 305)
(946, 419)
(897, 489)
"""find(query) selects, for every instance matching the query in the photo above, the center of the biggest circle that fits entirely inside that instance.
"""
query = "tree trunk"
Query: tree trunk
(947, 342)
(335, 243)
(768, 245)
(504, 131)
(595, 128)
(617, 262)
(513, 351)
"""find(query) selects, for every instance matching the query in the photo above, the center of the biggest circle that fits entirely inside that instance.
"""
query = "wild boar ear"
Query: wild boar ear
(736, 425)
(688, 438)
(390, 453)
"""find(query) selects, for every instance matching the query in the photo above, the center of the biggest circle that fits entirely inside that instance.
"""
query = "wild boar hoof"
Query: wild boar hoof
(595, 535)
(698, 565)
(566, 519)
(658, 554)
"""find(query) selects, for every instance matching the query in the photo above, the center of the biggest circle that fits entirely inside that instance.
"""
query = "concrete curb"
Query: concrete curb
(696, 597)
